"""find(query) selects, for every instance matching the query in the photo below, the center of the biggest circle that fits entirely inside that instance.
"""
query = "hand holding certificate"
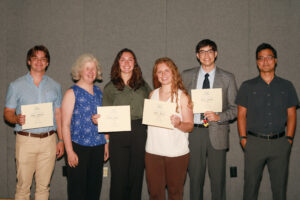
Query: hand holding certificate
(37, 115)
(207, 100)
(114, 118)
(158, 113)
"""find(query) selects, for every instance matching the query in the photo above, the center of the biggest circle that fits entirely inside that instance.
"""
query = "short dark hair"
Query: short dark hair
(264, 46)
(31, 52)
(206, 42)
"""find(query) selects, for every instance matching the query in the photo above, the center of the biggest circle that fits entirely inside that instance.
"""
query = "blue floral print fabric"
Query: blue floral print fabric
(83, 130)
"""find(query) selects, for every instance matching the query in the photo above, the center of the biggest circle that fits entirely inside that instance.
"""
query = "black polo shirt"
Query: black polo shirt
(267, 104)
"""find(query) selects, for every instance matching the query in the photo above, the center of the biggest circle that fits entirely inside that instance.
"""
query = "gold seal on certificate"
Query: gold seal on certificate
(207, 100)
(114, 118)
(37, 115)
(158, 113)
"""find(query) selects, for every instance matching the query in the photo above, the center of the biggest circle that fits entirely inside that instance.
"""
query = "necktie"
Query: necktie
(205, 86)
(206, 82)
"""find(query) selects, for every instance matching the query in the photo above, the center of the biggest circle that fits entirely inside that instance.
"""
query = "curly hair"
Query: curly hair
(136, 80)
(176, 80)
(79, 64)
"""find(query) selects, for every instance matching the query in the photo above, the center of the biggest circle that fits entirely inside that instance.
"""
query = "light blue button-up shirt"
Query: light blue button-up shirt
(23, 92)
(200, 81)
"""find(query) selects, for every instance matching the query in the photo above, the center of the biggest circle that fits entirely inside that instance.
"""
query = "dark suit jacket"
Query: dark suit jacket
(218, 131)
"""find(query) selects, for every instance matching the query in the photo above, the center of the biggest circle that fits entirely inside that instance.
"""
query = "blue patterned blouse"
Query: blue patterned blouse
(83, 130)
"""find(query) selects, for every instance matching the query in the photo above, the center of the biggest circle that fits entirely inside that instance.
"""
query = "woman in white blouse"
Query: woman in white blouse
(167, 151)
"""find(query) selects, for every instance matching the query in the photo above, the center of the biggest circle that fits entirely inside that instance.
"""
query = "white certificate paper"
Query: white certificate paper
(114, 118)
(207, 100)
(37, 115)
(158, 113)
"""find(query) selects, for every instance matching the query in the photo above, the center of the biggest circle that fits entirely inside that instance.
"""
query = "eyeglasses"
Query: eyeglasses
(268, 58)
(203, 52)
(35, 59)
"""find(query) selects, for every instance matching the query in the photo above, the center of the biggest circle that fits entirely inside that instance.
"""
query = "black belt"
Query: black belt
(40, 135)
(268, 136)
(200, 126)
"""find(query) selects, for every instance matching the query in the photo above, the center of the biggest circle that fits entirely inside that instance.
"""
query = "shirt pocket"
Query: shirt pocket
(280, 98)
(257, 97)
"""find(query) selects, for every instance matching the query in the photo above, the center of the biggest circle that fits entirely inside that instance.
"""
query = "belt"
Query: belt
(269, 136)
(40, 135)
(200, 126)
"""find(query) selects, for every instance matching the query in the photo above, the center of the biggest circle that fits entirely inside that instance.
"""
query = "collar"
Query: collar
(274, 80)
(30, 78)
(211, 73)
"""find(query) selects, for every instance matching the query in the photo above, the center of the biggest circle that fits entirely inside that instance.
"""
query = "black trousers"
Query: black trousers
(273, 153)
(127, 153)
(85, 180)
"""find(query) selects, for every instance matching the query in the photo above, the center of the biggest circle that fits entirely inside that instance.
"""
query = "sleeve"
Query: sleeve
(231, 112)
(242, 96)
(11, 97)
(57, 103)
(292, 96)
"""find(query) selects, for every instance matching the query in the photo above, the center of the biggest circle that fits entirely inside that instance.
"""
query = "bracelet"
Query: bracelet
(243, 137)
(107, 141)
(289, 137)
(61, 140)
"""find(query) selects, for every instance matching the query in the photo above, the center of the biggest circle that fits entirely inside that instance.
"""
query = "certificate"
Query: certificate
(114, 118)
(37, 115)
(158, 113)
(207, 100)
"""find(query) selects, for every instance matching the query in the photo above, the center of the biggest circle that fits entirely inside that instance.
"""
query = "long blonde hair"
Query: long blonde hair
(176, 80)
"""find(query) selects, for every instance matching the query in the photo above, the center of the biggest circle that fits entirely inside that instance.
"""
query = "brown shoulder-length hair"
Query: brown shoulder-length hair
(136, 80)
(176, 80)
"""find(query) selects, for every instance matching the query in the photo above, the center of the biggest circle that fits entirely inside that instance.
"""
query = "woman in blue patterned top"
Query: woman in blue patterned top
(86, 148)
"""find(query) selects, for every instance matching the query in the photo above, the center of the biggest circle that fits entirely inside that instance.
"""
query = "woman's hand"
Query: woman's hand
(95, 118)
(175, 120)
(106, 151)
(72, 159)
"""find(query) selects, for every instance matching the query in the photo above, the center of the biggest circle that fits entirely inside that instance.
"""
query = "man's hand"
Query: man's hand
(211, 116)
(21, 119)
(243, 142)
(59, 149)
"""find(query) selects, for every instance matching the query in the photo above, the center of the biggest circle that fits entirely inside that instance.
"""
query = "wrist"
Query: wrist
(243, 137)
(15, 120)
(289, 137)
(61, 140)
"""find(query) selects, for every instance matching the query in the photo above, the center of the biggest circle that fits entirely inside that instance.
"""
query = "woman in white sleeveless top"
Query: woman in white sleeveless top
(167, 151)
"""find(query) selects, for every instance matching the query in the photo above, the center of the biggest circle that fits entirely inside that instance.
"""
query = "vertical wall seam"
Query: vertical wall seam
(249, 33)
(166, 28)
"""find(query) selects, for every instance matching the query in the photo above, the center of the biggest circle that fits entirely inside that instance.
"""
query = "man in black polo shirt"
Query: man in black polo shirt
(265, 105)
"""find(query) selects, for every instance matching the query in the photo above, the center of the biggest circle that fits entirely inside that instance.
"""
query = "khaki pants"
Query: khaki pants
(34, 155)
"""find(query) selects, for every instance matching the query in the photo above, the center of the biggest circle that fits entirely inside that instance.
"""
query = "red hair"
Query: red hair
(176, 80)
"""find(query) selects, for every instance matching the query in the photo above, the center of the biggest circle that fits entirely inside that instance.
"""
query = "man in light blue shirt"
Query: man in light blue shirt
(209, 140)
(36, 149)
